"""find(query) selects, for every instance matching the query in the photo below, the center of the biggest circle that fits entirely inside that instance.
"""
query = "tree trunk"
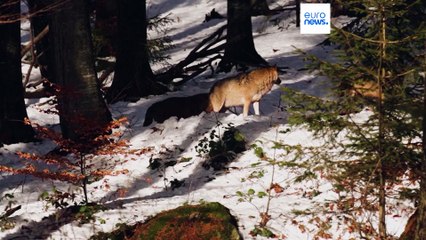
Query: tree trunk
(410, 228)
(106, 26)
(12, 105)
(259, 7)
(297, 13)
(81, 107)
(381, 153)
(39, 20)
(421, 220)
(133, 77)
(239, 49)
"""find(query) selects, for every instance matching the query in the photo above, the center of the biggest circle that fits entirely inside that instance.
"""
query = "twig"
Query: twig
(15, 17)
(265, 216)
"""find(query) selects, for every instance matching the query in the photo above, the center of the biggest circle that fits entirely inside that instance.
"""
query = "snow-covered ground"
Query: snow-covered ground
(141, 193)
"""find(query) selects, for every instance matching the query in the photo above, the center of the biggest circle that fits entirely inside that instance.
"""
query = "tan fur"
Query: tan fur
(368, 89)
(243, 89)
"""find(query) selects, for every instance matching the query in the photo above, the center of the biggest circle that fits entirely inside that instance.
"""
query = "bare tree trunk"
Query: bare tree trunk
(133, 77)
(421, 217)
(239, 49)
(380, 80)
(259, 7)
(12, 105)
(106, 25)
(297, 13)
(39, 21)
(81, 106)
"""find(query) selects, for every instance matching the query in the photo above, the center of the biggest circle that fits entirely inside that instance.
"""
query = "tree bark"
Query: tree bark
(421, 220)
(12, 105)
(297, 13)
(133, 77)
(39, 21)
(106, 26)
(260, 7)
(381, 134)
(81, 107)
(239, 49)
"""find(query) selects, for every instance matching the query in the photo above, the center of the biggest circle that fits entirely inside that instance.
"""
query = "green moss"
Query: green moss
(203, 221)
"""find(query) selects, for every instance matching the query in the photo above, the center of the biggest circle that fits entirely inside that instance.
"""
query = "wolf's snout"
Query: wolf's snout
(278, 81)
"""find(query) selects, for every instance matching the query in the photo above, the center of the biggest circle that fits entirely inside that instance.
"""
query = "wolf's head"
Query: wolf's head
(277, 81)
(275, 77)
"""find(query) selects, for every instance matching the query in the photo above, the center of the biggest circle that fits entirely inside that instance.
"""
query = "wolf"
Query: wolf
(243, 89)
(180, 107)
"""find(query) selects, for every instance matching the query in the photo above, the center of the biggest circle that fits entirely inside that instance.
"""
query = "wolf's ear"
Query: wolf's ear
(281, 69)
(276, 67)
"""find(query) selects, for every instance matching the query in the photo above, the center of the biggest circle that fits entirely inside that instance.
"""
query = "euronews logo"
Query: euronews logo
(315, 18)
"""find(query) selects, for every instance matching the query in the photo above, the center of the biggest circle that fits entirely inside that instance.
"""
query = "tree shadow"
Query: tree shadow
(44, 228)
(160, 7)
(200, 175)
(154, 175)
(9, 158)
(272, 114)
(207, 123)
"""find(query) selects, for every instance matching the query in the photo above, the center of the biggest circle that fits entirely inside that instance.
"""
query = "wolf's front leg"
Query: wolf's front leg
(246, 108)
(256, 108)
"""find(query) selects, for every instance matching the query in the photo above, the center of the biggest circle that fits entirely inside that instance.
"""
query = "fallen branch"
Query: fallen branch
(207, 47)
(198, 69)
(40, 36)
(48, 89)
(36, 83)
(40, 93)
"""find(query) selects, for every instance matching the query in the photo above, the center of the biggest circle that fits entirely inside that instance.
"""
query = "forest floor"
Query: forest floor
(297, 209)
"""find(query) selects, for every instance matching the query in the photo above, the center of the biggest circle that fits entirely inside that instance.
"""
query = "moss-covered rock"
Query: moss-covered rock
(197, 222)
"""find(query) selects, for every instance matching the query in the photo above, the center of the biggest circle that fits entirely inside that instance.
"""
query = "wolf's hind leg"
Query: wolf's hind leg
(217, 103)
(246, 108)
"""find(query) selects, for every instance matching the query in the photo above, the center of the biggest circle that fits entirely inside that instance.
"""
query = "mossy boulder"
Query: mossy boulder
(197, 222)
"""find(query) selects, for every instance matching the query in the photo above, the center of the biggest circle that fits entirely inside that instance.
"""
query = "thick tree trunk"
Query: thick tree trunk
(239, 49)
(39, 21)
(106, 26)
(133, 77)
(421, 223)
(81, 106)
(12, 105)
(297, 13)
(259, 7)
